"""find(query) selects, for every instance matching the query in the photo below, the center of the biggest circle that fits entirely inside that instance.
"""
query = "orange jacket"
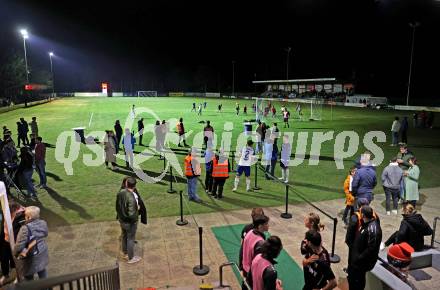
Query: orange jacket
(220, 169)
(191, 168)
(349, 198)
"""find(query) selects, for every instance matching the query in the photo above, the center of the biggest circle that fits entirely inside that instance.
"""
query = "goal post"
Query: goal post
(316, 108)
(146, 93)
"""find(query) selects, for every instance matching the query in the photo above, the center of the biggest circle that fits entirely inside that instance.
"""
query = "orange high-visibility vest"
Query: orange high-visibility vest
(220, 169)
(188, 167)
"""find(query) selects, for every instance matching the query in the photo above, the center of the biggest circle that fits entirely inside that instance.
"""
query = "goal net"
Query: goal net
(268, 110)
(316, 108)
(147, 93)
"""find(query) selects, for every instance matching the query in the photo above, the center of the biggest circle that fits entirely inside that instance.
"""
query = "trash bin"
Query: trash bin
(79, 136)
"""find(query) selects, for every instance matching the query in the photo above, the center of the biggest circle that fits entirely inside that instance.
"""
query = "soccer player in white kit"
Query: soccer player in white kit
(244, 165)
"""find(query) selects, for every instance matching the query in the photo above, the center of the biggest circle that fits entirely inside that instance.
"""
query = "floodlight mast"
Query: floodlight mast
(25, 36)
(51, 72)
(413, 25)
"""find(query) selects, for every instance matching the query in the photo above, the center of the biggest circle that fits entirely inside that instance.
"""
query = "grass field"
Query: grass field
(89, 194)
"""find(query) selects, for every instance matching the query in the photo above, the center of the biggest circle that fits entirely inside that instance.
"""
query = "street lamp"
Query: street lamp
(233, 77)
(51, 72)
(25, 36)
(413, 25)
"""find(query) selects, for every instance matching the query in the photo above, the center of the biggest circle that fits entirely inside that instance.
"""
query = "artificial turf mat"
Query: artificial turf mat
(288, 271)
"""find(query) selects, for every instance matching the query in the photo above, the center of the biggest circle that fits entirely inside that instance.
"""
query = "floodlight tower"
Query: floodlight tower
(233, 77)
(51, 72)
(413, 25)
(25, 36)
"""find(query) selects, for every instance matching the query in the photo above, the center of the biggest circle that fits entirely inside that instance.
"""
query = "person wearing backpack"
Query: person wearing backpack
(412, 229)
(34, 259)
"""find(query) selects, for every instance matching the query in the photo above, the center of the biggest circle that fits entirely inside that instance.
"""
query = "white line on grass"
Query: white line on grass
(90, 121)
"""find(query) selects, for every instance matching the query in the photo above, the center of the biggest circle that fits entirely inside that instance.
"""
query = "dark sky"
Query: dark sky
(183, 45)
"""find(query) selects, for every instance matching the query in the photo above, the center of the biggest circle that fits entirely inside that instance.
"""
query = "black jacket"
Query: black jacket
(412, 230)
(365, 248)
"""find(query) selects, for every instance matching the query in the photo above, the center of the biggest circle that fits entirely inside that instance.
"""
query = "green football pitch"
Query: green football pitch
(89, 193)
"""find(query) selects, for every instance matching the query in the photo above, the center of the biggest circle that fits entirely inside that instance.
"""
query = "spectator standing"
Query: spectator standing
(40, 161)
(127, 209)
(110, 150)
(430, 120)
(141, 130)
(34, 126)
(392, 176)
(268, 148)
(415, 118)
(181, 132)
(395, 129)
(256, 211)
(21, 134)
(128, 143)
(412, 175)
(17, 219)
(349, 198)
(364, 180)
(404, 130)
(412, 229)
(26, 168)
(208, 133)
(263, 274)
(253, 242)
(119, 132)
(317, 272)
(192, 172)
(220, 172)
(403, 157)
(286, 149)
(365, 249)
(37, 258)
(25, 130)
(209, 157)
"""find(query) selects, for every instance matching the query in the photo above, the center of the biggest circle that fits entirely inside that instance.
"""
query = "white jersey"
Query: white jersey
(246, 156)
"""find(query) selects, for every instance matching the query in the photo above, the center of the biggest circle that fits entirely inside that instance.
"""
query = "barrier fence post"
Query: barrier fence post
(201, 269)
(181, 221)
(233, 157)
(333, 257)
(256, 187)
(171, 190)
(164, 162)
(286, 214)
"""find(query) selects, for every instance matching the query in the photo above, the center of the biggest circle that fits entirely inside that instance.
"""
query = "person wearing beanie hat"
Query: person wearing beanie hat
(399, 255)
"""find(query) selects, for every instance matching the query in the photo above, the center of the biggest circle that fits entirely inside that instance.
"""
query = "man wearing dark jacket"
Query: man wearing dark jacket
(127, 209)
(365, 250)
(364, 180)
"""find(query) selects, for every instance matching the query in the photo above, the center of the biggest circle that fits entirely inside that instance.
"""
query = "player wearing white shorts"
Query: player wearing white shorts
(244, 165)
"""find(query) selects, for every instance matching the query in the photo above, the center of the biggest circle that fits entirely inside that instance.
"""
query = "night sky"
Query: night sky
(187, 45)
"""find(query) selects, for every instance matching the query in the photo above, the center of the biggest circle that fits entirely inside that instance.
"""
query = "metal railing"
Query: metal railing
(434, 226)
(232, 264)
(105, 278)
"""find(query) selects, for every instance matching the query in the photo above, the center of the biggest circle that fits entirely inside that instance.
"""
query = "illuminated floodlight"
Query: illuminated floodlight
(50, 53)
(24, 33)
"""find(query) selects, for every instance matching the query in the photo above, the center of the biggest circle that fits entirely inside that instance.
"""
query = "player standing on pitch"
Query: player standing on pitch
(244, 165)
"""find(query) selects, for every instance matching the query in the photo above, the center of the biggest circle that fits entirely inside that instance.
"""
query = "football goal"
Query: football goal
(147, 93)
(316, 108)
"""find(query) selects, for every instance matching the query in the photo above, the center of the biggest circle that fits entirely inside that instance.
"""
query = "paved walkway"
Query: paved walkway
(170, 252)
